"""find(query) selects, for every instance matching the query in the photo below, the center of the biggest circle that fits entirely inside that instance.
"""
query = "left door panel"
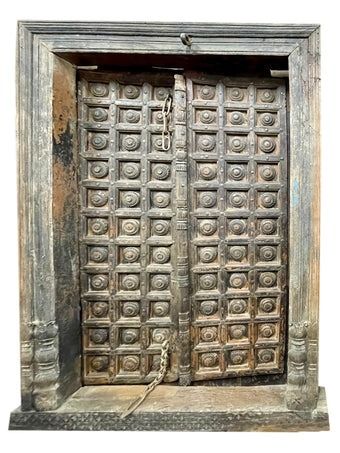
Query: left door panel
(127, 225)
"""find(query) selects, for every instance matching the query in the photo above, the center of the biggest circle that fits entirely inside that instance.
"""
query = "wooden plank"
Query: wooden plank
(173, 408)
(157, 28)
(65, 224)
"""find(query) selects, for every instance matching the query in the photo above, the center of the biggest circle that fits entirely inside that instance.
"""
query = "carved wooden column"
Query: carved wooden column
(180, 132)
(302, 387)
(48, 264)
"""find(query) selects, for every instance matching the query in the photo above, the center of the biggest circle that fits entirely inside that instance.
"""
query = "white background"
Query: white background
(284, 11)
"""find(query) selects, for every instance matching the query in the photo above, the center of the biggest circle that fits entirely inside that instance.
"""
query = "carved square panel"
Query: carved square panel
(129, 199)
(160, 309)
(237, 94)
(160, 199)
(238, 359)
(97, 198)
(237, 254)
(238, 307)
(129, 364)
(237, 144)
(266, 95)
(207, 281)
(161, 93)
(128, 282)
(209, 361)
(129, 142)
(129, 337)
(237, 199)
(209, 335)
(238, 281)
(267, 119)
(97, 310)
(129, 227)
(97, 226)
(98, 337)
(205, 92)
(160, 171)
(129, 254)
(267, 145)
(97, 141)
(98, 282)
(98, 169)
(268, 172)
(158, 335)
(206, 171)
(237, 118)
(129, 309)
(97, 365)
(206, 199)
(207, 309)
(97, 255)
(156, 144)
(129, 171)
(266, 357)
(237, 172)
(160, 255)
(98, 114)
(267, 227)
(205, 142)
(159, 282)
(268, 254)
(207, 228)
(161, 227)
(129, 115)
(238, 227)
(267, 306)
(267, 280)
(154, 363)
(156, 117)
(130, 92)
(268, 199)
(205, 117)
(207, 255)
(267, 332)
(238, 333)
(98, 90)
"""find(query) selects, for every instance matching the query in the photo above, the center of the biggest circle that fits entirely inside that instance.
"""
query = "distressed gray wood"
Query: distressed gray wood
(182, 244)
(302, 390)
(209, 30)
(214, 409)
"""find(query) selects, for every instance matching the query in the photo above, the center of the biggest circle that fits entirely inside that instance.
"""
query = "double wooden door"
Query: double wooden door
(183, 216)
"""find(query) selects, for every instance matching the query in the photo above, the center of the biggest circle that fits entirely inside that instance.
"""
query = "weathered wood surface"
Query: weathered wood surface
(173, 408)
(213, 29)
(65, 225)
(304, 224)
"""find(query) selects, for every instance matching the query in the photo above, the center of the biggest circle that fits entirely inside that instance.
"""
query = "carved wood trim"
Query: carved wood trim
(304, 79)
(182, 260)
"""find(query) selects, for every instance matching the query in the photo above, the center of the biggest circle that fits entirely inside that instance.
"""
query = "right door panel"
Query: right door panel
(237, 146)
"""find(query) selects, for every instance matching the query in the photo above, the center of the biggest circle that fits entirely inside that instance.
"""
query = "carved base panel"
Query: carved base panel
(173, 408)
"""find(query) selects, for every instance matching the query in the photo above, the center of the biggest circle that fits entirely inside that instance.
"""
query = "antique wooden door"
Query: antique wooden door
(183, 226)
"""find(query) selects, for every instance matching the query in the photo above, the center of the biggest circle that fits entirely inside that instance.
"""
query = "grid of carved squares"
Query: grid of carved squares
(123, 324)
(240, 329)
(267, 171)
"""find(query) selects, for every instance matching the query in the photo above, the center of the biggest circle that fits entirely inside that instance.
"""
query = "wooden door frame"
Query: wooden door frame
(47, 144)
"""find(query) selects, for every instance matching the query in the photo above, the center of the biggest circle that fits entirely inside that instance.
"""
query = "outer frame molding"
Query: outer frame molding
(46, 137)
